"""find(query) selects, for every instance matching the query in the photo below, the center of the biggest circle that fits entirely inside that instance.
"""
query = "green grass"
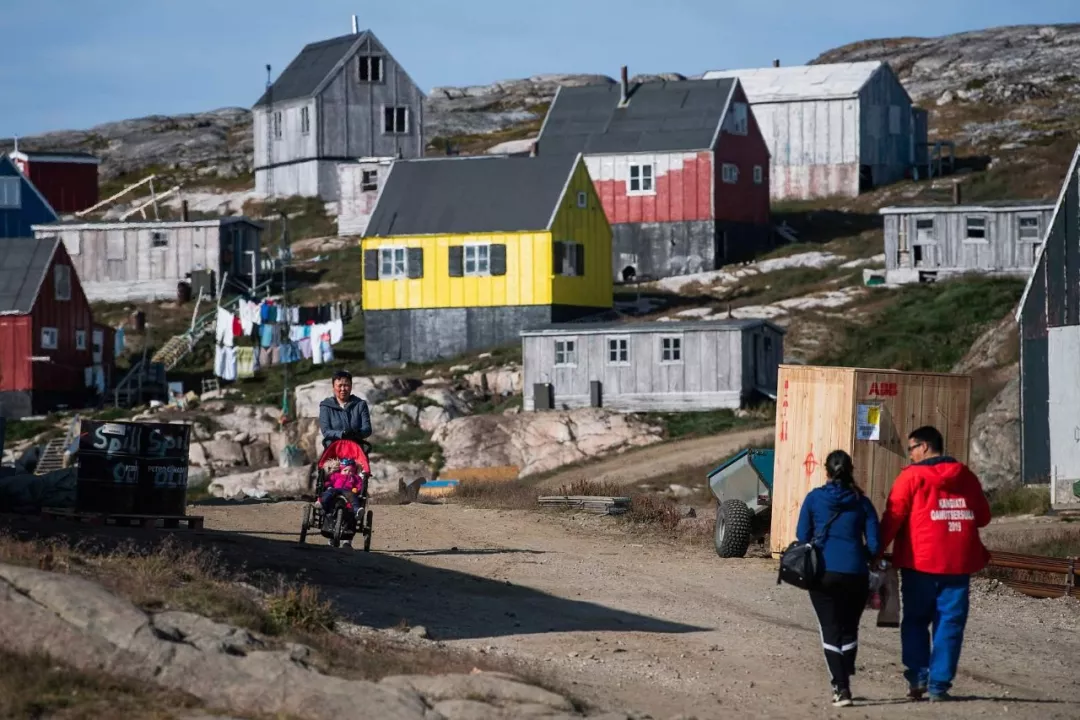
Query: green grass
(925, 327)
(411, 445)
(307, 219)
(1022, 500)
(16, 430)
(708, 422)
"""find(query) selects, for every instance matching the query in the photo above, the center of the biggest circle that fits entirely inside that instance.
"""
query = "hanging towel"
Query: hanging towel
(296, 332)
(289, 353)
(225, 362)
(316, 350)
(269, 335)
(337, 329)
(224, 328)
(245, 362)
(120, 343)
(327, 349)
(305, 348)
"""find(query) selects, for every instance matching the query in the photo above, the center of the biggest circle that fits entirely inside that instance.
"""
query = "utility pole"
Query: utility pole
(286, 411)
(269, 135)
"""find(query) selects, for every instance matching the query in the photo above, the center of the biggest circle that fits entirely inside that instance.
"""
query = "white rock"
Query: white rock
(276, 481)
(410, 411)
(385, 423)
(433, 417)
(505, 380)
(445, 398)
(864, 262)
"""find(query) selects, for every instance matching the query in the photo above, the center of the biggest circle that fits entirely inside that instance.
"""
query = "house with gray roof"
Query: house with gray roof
(341, 102)
(52, 353)
(680, 166)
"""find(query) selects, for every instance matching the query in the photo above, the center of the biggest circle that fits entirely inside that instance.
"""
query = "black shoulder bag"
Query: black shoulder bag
(801, 564)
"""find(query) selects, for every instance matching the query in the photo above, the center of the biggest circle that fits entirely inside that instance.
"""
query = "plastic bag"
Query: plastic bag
(889, 612)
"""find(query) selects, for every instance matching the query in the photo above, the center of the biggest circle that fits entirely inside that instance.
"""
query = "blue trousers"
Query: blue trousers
(937, 604)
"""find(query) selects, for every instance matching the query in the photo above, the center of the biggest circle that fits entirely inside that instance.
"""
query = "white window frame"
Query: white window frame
(671, 349)
(275, 121)
(1020, 229)
(394, 109)
(481, 259)
(10, 193)
(371, 61)
(399, 265)
(305, 120)
(729, 172)
(80, 339)
(369, 180)
(582, 199)
(924, 236)
(759, 174)
(60, 270)
(740, 118)
(642, 174)
(985, 228)
(50, 338)
(567, 352)
(618, 350)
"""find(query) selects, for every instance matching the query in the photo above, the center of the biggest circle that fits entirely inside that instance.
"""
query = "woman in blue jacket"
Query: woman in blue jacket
(844, 524)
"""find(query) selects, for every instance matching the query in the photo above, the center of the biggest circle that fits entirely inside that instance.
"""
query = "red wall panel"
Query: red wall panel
(682, 182)
(743, 201)
(15, 351)
(69, 187)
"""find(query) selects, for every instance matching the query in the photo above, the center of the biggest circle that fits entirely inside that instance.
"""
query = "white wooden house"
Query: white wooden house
(833, 129)
(651, 366)
(147, 260)
(338, 101)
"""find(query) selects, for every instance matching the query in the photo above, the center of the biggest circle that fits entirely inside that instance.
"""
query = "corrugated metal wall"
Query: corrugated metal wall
(16, 347)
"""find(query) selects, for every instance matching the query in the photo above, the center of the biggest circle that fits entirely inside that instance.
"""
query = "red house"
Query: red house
(52, 354)
(680, 166)
(68, 180)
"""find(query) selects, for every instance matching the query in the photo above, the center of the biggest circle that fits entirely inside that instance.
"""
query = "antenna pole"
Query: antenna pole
(269, 134)
(285, 409)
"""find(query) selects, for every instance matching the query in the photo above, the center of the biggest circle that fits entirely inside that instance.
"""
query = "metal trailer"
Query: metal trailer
(742, 486)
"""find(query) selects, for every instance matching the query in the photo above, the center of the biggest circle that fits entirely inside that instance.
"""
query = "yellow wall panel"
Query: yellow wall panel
(590, 227)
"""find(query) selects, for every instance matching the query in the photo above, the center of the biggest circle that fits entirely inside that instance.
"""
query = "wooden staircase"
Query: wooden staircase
(145, 381)
(52, 457)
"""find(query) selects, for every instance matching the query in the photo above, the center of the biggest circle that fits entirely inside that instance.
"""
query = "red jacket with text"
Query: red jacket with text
(934, 513)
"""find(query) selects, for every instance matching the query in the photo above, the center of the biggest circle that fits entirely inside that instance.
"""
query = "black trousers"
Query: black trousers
(839, 602)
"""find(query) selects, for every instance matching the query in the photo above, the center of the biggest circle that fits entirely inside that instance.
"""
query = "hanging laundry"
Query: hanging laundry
(99, 378)
(327, 349)
(337, 329)
(245, 362)
(306, 315)
(225, 362)
(305, 348)
(120, 343)
(224, 328)
(268, 356)
(290, 353)
(316, 350)
(88, 376)
(297, 332)
(249, 316)
(237, 328)
(269, 335)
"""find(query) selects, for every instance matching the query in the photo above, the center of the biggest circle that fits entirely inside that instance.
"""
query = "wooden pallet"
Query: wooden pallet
(168, 522)
(595, 504)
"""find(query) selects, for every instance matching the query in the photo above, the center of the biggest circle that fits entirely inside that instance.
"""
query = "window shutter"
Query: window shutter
(457, 261)
(580, 259)
(557, 257)
(497, 261)
(371, 264)
(415, 262)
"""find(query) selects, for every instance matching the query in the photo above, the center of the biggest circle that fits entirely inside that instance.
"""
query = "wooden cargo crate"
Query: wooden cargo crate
(867, 413)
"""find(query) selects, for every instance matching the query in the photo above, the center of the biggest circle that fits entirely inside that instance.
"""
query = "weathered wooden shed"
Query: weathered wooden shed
(926, 242)
(1049, 318)
(832, 129)
(337, 101)
(867, 413)
(146, 260)
(650, 366)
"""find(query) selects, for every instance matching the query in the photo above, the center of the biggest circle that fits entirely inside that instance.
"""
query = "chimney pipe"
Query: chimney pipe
(776, 63)
(956, 194)
(355, 27)
(624, 81)
(183, 211)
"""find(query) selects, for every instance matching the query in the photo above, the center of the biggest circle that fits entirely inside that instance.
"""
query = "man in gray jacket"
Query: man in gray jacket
(343, 416)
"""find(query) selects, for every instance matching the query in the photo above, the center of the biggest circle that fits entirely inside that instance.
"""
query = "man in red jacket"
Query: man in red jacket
(934, 513)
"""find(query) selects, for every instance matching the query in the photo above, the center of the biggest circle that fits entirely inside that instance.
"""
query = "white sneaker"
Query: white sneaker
(842, 698)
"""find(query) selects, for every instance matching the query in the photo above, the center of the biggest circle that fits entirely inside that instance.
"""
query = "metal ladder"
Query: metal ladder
(52, 457)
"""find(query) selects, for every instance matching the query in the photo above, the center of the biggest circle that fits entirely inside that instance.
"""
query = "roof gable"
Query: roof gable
(35, 207)
(664, 116)
(802, 82)
(308, 70)
(465, 195)
(23, 264)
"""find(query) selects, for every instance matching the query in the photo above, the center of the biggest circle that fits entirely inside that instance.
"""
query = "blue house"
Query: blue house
(21, 205)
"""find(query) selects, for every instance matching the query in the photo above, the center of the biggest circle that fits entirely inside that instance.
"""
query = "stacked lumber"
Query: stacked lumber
(601, 505)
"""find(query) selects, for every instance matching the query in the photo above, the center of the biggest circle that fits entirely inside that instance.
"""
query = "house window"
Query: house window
(565, 353)
(478, 259)
(305, 120)
(159, 239)
(976, 229)
(759, 175)
(671, 349)
(10, 193)
(396, 120)
(277, 125)
(369, 180)
(641, 178)
(894, 120)
(730, 173)
(618, 351)
(48, 338)
(569, 259)
(924, 230)
(739, 118)
(62, 281)
(371, 68)
(80, 339)
(1028, 229)
(393, 262)
(582, 200)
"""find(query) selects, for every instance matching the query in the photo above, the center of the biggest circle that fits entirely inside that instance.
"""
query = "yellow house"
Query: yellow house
(463, 253)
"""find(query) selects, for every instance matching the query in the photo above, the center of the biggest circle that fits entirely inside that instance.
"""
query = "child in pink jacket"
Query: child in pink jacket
(345, 480)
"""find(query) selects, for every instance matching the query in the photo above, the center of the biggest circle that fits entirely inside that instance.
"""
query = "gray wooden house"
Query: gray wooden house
(146, 260)
(926, 242)
(1049, 318)
(834, 128)
(651, 366)
(344, 100)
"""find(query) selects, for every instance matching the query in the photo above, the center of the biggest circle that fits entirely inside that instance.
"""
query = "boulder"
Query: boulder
(386, 473)
(496, 381)
(374, 389)
(251, 419)
(538, 442)
(220, 453)
(386, 424)
(258, 454)
(410, 411)
(994, 452)
(281, 482)
(433, 417)
(445, 398)
(23, 490)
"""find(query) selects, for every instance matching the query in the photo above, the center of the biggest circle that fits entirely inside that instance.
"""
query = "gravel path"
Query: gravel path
(629, 623)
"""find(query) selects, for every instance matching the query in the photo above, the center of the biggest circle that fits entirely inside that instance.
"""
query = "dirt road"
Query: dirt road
(628, 623)
(656, 460)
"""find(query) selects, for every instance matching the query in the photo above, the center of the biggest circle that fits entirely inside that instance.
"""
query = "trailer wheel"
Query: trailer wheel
(733, 523)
